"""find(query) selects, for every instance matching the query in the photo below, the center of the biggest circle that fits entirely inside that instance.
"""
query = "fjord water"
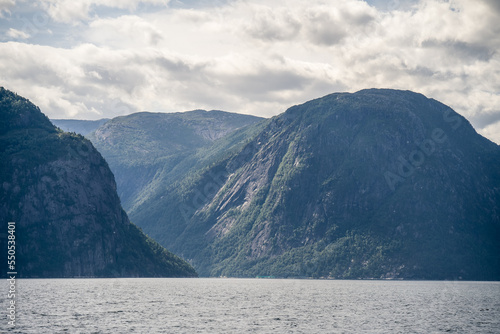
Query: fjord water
(211, 305)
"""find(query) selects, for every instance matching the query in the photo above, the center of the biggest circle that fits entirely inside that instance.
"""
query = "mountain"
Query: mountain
(62, 196)
(147, 151)
(374, 184)
(82, 127)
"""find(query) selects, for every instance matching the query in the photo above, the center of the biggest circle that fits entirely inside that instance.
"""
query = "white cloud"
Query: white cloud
(492, 132)
(69, 11)
(17, 34)
(261, 57)
(327, 25)
(6, 6)
(273, 25)
(124, 31)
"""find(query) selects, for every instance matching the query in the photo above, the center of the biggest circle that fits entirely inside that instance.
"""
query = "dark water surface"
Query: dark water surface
(252, 306)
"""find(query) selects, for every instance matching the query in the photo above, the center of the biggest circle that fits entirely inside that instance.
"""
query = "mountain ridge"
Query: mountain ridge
(79, 126)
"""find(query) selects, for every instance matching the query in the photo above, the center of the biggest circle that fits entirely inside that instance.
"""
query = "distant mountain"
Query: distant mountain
(62, 196)
(82, 127)
(149, 151)
(375, 184)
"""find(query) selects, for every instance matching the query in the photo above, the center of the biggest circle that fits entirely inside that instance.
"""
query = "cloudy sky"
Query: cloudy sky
(90, 59)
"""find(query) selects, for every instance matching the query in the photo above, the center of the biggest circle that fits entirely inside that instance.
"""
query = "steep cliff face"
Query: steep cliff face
(379, 183)
(62, 196)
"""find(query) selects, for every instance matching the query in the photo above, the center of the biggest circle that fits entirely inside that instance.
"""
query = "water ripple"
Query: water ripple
(254, 306)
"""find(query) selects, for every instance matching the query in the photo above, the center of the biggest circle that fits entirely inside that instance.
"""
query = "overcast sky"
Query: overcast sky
(92, 59)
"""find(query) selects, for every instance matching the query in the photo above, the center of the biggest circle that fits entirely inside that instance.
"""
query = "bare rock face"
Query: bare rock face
(62, 196)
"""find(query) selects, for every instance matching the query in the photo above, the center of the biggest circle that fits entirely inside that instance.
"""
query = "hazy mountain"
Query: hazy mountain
(147, 151)
(375, 184)
(62, 196)
(82, 127)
